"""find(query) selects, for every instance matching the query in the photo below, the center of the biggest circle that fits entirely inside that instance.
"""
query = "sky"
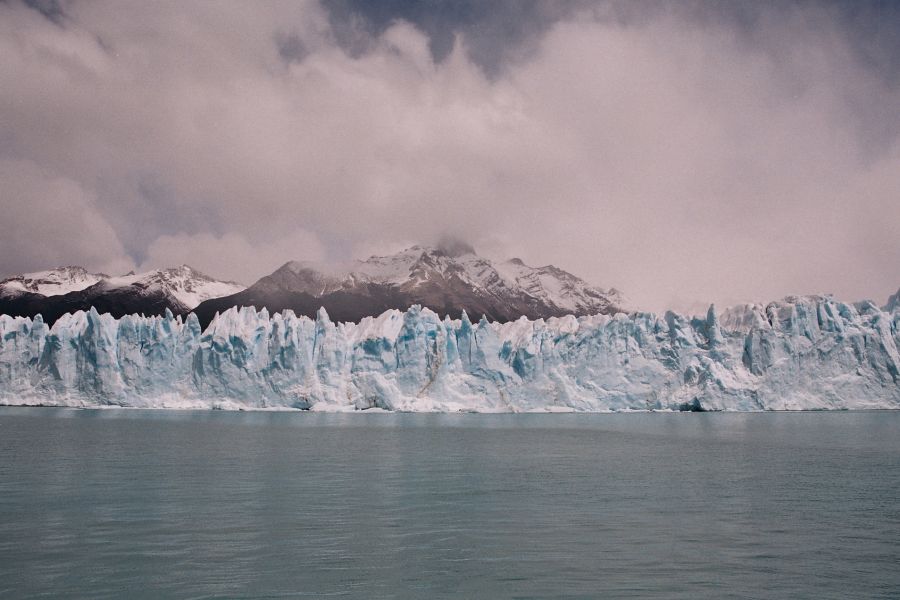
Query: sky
(682, 152)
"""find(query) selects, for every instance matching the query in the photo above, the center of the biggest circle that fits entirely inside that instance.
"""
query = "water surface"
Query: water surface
(167, 504)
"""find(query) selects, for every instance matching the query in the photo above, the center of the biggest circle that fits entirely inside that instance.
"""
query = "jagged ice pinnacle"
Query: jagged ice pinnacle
(801, 353)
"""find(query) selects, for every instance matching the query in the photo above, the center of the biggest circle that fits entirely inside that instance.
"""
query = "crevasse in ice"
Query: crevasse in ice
(800, 353)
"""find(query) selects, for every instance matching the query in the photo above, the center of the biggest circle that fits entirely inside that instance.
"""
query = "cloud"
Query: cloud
(231, 254)
(497, 33)
(675, 157)
(56, 219)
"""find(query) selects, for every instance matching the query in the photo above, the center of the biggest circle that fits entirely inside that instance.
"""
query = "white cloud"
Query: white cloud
(231, 256)
(56, 220)
(665, 157)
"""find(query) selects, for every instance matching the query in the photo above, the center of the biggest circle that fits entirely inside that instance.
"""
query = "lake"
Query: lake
(168, 504)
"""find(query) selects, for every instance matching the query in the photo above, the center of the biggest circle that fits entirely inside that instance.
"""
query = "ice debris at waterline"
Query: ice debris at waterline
(800, 353)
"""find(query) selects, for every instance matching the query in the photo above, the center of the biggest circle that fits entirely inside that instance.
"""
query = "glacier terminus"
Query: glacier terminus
(810, 352)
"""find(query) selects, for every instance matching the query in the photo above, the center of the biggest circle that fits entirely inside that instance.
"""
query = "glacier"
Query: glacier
(810, 352)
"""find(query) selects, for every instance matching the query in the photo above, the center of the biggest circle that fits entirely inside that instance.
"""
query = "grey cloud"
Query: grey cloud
(51, 221)
(290, 47)
(209, 252)
(51, 9)
(506, 30)
(496, 32)
(676, 152)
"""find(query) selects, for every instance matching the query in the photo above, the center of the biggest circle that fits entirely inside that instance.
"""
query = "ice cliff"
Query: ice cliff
(800, 353)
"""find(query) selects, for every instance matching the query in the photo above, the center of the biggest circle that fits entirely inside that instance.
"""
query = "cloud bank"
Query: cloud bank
(674, 156)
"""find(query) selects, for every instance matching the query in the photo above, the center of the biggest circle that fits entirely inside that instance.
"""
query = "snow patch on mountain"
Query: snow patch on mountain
(419, 269)
(185, 284)
(556, 287)
(54, 282)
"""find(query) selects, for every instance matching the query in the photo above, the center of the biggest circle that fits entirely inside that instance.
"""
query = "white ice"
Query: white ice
(800, 353)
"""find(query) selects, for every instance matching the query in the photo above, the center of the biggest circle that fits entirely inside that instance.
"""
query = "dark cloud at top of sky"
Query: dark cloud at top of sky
(496, 31)
(872, 27)
(501, 30)
(869, 28)
(51, 9)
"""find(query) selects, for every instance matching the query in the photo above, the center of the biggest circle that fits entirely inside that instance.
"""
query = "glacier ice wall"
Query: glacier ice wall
(800, 353)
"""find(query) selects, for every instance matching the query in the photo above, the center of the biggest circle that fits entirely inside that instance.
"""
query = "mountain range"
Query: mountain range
(447, 279)
(64, 290)
(435, 329)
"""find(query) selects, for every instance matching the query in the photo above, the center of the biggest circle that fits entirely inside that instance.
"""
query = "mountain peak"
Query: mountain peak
(185, 284)
(68, 289)
(54, 282)
(448, 278)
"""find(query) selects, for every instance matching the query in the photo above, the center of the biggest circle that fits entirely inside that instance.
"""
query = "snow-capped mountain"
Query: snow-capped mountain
(55, 282)
(68, 289)
(187, 286)
(447, 280)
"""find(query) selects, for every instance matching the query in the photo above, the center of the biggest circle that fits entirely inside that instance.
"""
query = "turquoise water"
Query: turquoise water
(166, 504)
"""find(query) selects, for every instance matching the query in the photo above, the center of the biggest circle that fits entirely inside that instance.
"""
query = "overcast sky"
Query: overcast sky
(681, 152)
